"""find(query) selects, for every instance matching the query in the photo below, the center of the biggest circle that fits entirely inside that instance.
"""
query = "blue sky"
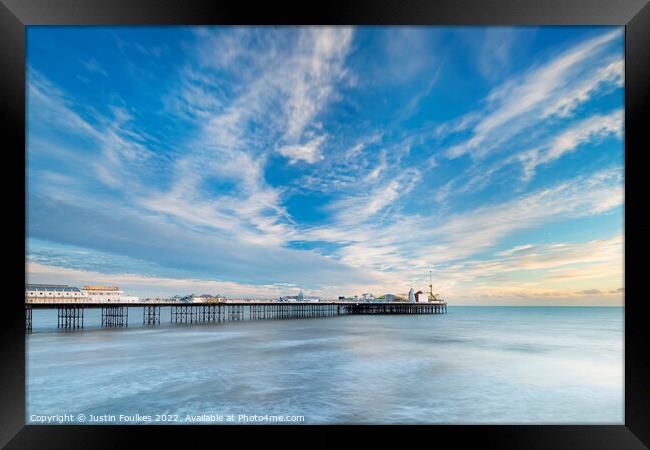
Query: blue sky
(255, 161)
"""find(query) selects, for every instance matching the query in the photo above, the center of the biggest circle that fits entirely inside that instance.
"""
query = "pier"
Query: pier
(115, 315)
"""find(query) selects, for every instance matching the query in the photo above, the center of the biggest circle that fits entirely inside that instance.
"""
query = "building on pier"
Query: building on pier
(207, 298)
(53, 293)
(157, 299)
(299, 298)
(390, 298)
(107, 294)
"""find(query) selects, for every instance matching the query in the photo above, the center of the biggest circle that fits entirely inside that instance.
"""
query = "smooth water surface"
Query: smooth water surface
(472, 365)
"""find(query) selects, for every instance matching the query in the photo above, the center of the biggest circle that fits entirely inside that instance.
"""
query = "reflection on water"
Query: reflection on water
(473, 365)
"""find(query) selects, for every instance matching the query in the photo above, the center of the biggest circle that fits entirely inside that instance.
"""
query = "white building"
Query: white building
(411, 296)
(207, 298)
(107, 294)
(53, 293)
(299, 298)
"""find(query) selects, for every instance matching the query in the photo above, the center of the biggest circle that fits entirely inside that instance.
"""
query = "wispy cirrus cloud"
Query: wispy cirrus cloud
(282, 97)
(363, 208)
(592, 129)
(609, 76)
(114, 149)
(517, 103)
(493, 48)
(92, 65)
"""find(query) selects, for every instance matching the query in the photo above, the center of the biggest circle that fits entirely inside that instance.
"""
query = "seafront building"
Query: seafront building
(299, 298)
(62, 293)
(107, 294)
(193, 298)
(207, 298)
(48, 293)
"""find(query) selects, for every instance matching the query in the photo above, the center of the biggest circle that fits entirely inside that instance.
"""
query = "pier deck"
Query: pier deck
(71, 314)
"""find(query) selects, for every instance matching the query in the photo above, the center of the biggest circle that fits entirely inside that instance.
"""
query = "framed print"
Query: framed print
(377, 218)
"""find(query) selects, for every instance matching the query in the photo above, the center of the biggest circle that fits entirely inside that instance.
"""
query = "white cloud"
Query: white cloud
(517, 103)
(319, 63)
(199, 95)
(611, 75)
(308, 152)
(114, 149)
(469, 233)
(48, 105)
(287, 77)
(382, 197)
(136, 284)
(402, 247)
(592, 129)
(385, 192)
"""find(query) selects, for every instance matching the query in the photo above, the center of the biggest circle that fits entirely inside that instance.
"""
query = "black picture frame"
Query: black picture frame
(15, 15)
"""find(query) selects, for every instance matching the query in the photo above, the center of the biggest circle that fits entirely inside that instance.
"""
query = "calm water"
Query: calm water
(473, 365)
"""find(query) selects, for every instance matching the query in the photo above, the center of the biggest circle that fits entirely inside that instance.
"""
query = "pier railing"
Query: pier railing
(71, 315)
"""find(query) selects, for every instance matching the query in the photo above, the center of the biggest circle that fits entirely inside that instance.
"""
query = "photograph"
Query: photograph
(324, 225)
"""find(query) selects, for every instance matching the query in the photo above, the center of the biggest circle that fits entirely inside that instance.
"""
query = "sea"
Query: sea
(473, 365)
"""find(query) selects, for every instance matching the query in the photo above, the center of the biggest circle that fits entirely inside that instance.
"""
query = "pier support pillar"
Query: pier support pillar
(182, 314)
(28, 318)
(151, 315)
(236, 312)
(70, 317)
(115, 316)
(212, 315)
